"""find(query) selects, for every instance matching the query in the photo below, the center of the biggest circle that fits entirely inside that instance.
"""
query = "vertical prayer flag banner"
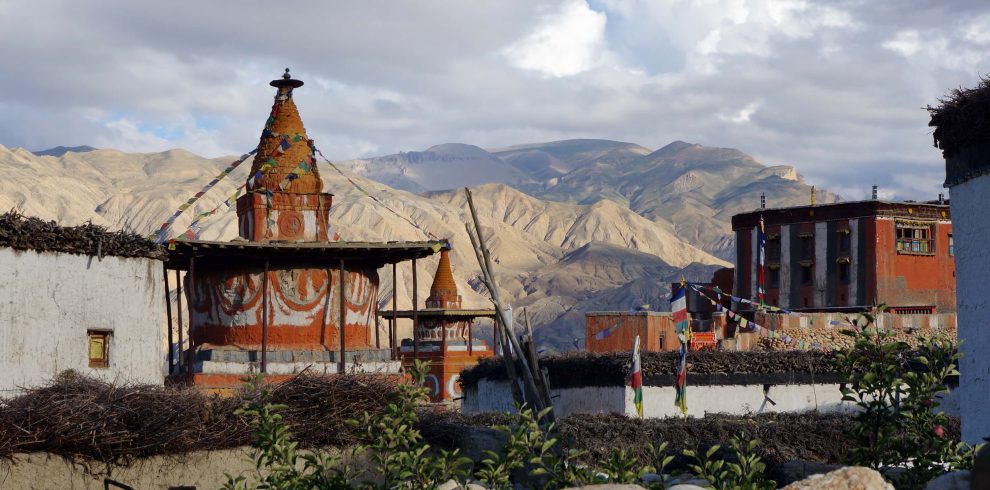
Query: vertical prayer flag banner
(680, 382)
(678, 309)
(636, 379)
(761, 238)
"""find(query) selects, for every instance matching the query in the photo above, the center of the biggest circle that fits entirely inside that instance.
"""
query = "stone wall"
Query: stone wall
(50, 301)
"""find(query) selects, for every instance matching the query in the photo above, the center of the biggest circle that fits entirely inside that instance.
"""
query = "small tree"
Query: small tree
(897, 392)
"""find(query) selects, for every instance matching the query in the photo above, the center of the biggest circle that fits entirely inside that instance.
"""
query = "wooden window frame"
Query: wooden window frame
(102, 361)
(914, 237)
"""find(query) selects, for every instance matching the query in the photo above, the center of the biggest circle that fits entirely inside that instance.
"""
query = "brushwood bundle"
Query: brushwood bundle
(80, 416)
(962, 118)
(609, 369)
(30, 233)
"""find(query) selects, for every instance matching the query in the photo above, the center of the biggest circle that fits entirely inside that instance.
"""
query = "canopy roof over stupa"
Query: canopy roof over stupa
(286, 157)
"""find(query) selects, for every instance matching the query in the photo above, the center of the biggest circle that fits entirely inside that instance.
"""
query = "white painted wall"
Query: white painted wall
(49, 300)
(658, 401)
(971, 234)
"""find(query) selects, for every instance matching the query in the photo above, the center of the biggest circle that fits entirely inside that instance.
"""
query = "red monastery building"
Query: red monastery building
(282, 297)
(443, 334)
(850, 254)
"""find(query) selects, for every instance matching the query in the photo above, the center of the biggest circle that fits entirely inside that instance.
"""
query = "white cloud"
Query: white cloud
(568, 42)
(906, 43)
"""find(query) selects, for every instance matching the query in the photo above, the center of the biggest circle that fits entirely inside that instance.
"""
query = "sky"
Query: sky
(833, 88)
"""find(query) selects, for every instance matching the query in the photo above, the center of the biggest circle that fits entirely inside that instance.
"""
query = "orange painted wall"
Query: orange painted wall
(913, 280)
(227, 308)
(650, 327)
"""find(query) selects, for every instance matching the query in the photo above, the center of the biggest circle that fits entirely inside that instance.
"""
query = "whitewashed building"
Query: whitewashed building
(79, 299)
(960, 123)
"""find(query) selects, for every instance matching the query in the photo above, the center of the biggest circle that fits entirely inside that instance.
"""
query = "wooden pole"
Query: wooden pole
(470, 338)
(498, 329)
(178, 306)
(192, 295)
(343, 316)
(415, 311)
(534, 362)
(264, 320)
(392, 321)
(168, 316)
(528, 380)
(378, 326)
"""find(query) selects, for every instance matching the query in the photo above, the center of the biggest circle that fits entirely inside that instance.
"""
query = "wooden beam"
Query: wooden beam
(178, 306)
(168, 316)
(392, 321)
(343, 316)
(264, 320)
(415, 309)
(192, 295)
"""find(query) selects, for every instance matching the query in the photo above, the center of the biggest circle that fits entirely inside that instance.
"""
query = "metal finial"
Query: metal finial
(286, 81)
(286, 74)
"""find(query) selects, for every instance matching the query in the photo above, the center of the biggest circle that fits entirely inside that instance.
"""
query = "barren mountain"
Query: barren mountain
(550, 256)
(689, 189)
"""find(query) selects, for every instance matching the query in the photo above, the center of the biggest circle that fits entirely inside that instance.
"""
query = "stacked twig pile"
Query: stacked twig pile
(962, 118)
(610, 369)
(79, 416)
(29, 233)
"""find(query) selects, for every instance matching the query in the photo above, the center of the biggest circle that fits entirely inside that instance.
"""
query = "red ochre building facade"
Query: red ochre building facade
(850, 254)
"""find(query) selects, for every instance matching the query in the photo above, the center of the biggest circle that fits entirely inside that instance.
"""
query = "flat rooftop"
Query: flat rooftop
(328, 254)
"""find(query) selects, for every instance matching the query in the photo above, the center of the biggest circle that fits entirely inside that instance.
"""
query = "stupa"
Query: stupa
(283, 297)
(443, 334)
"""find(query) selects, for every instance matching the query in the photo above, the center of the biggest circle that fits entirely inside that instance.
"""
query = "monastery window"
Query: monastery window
(773, 278)
(99, 348)
(773, 248)
(807, 246)
(915, 238)
(844, 242)
(807, 274)
(844, 273)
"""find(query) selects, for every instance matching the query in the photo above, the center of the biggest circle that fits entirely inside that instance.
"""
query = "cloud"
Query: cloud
(567, 42)
(833, 88)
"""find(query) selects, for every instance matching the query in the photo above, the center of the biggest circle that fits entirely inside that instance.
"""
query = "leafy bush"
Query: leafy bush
(898, 425)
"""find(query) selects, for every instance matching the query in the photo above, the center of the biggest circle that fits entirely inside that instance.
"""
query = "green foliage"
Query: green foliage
(897, 425)
(743, 471)
(529, 449)
(399, 455)
(277, 463)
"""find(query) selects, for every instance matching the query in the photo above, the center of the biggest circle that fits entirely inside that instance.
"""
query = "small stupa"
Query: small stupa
(443, 334)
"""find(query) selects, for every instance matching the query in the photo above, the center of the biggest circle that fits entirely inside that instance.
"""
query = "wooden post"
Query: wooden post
(264, 320)
(534, 362)
(415, 311)
(178, 306)
(343, 316)
(378, 326)
(168, 316)
(470, 338)
(393, 321)
(192, 294)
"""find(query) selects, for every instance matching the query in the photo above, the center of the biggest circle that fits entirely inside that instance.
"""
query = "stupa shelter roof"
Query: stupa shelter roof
(298, 253)
(439, 312)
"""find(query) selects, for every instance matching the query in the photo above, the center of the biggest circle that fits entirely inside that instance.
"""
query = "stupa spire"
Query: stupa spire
(443, 292)
(286, 160)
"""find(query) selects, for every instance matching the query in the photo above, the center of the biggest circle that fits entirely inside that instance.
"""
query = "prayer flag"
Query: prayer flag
(636, 379)
(680, 382)
(678, 309)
